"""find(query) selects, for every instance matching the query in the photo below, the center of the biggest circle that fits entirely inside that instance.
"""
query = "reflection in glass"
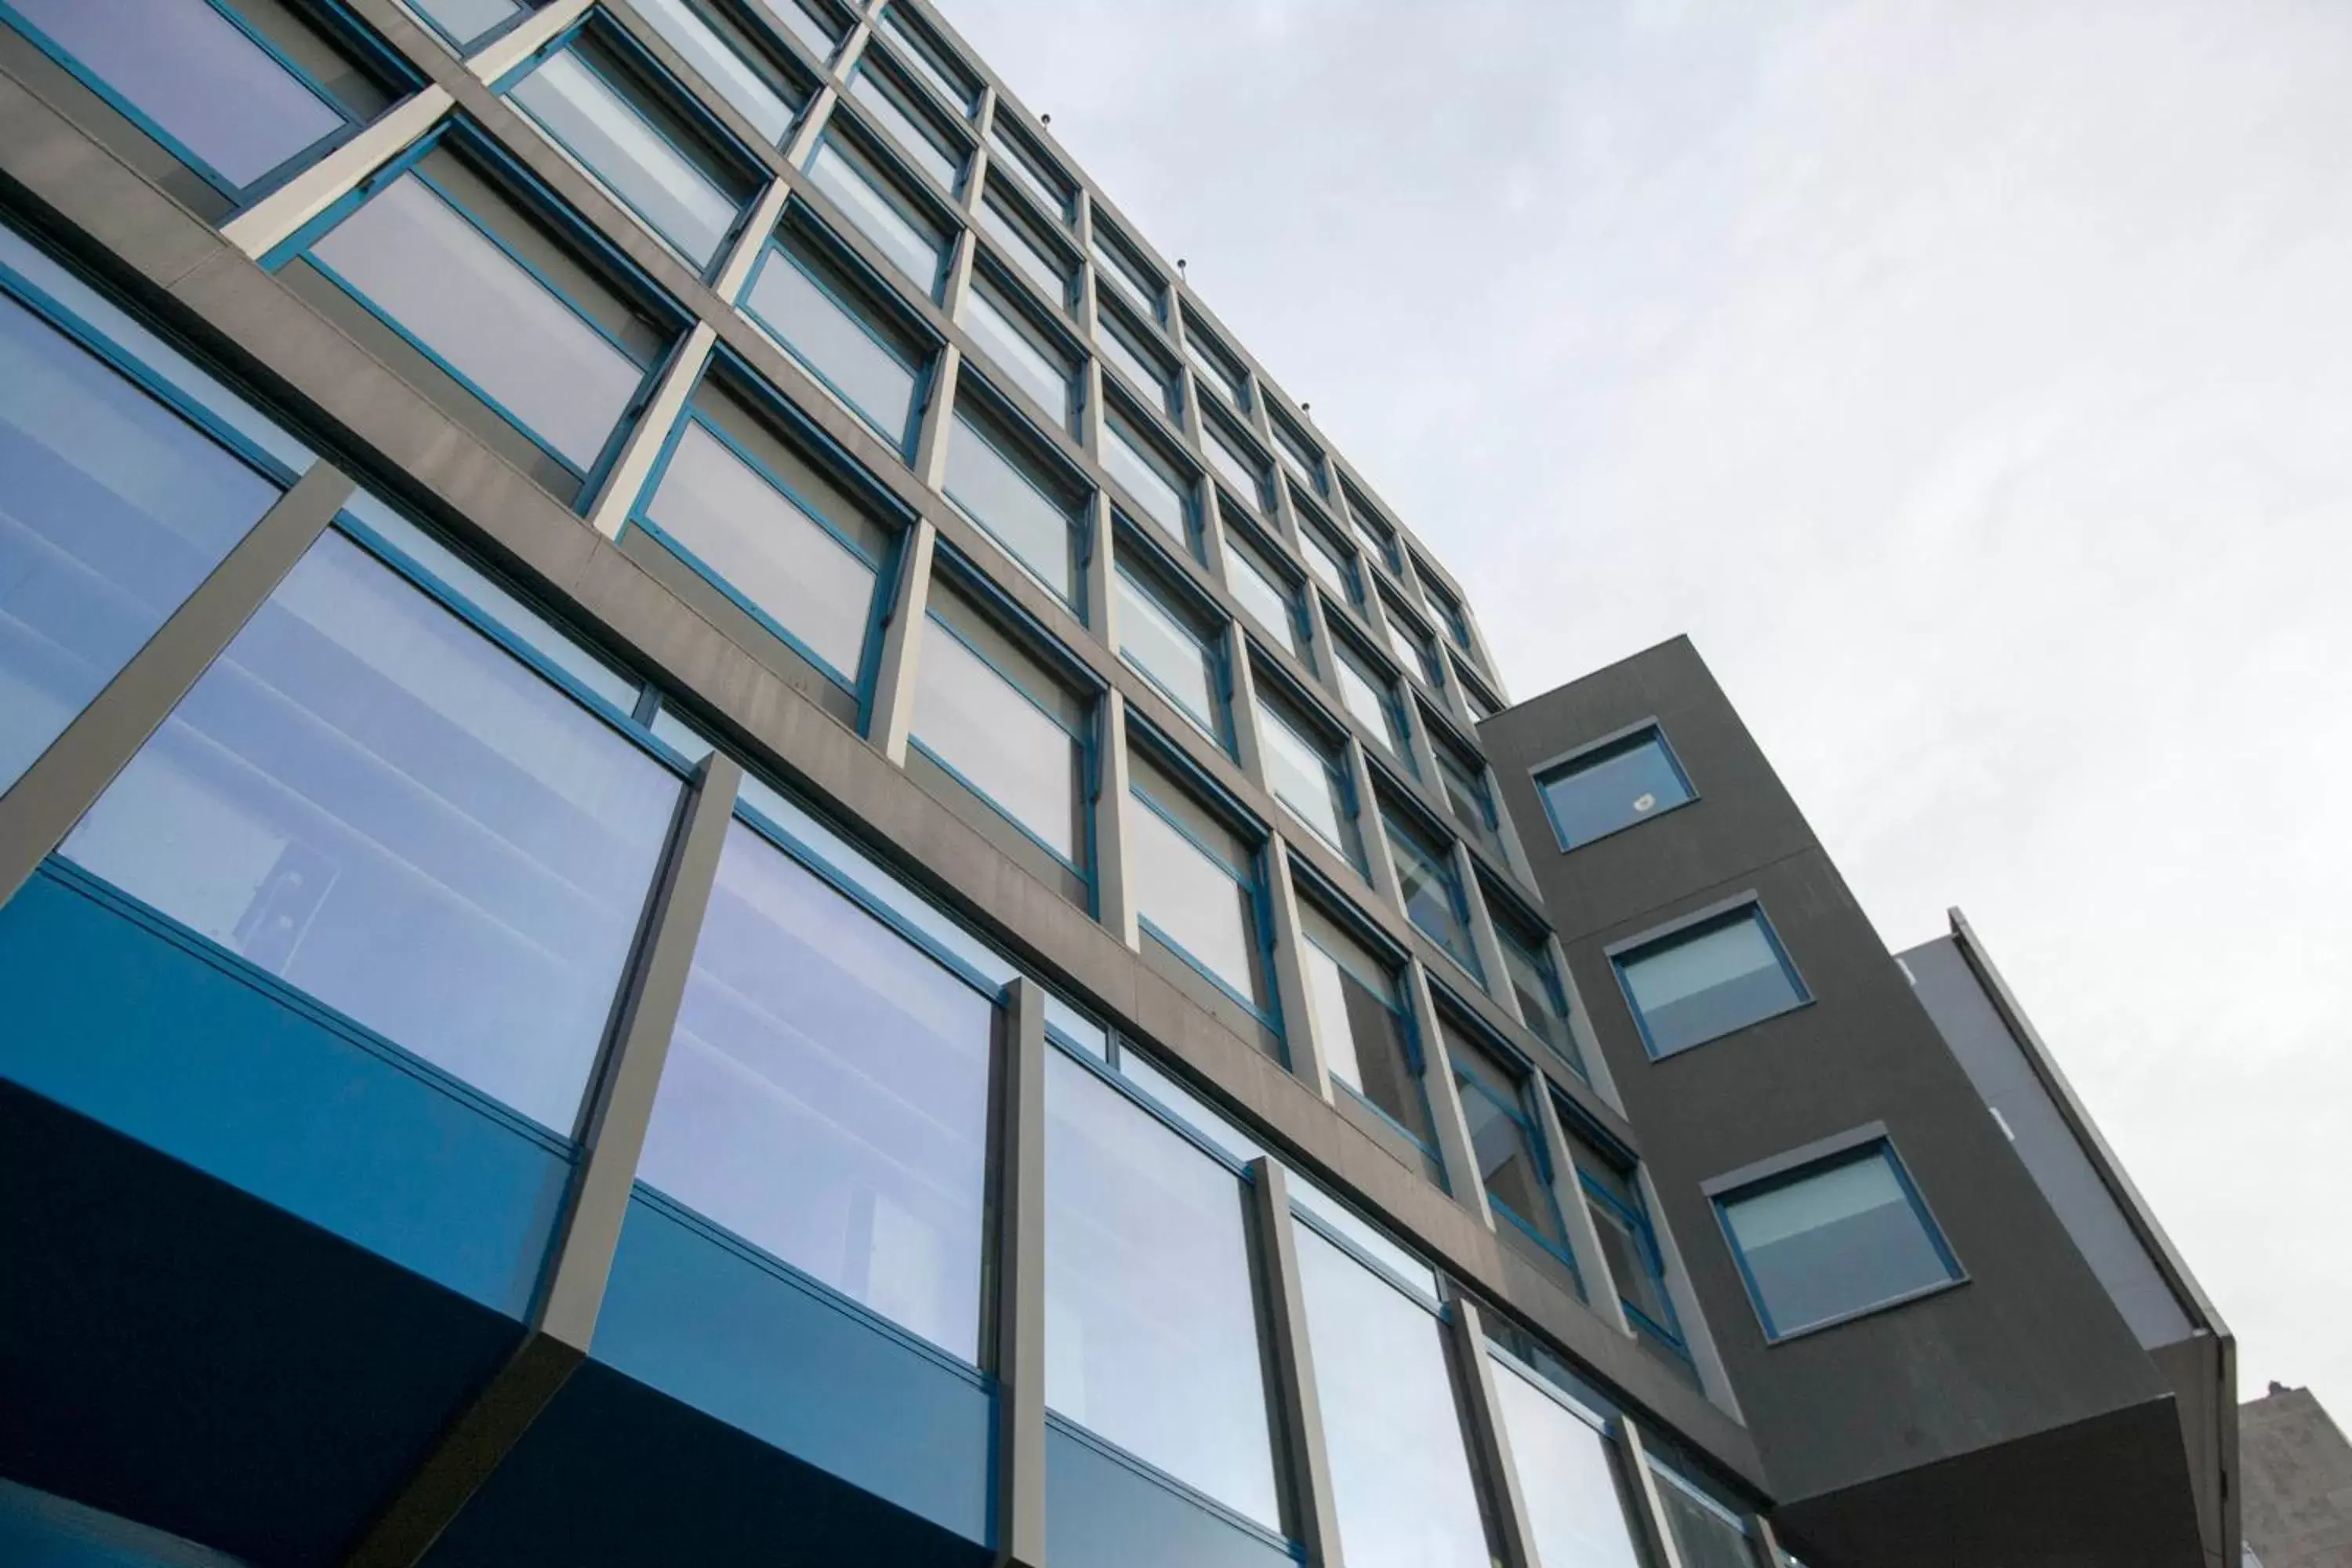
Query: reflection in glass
(1204, 905)
(369, 799)
(884, 103)
(1504, 1138)
(799, 295)
(464, 21)
(918, 249)
(112, 510)
(1432, 895)
(1035, 258)
(1359, 1022)
(1695, 985)
(1307, 778)
(197, 76)
(417, 259)
(989, 483)
(1156, 491)
(1151, 1323)
(1172, 655)
(1568, 1478)
(1401, 1478)
(1704, 1537)
(719, 65)
(1534, 985)
(978, 724)
(1370, 700)
(1269, 601)
(1612, 788)
(1838, 1239)
(825, 1096)
(1014, 346)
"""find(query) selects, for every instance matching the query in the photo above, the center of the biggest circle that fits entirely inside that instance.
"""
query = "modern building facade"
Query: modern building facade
(720, 842)
(2298, 1494)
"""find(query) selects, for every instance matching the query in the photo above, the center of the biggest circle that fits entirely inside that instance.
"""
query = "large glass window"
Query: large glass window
(1118, 264)
(233, 107)
(1569, 1476)
(373, 801)
(1158, 488)
(825, 1095)
(932, 61)
(749, 510)
(620, 119)
(900, 227)
(1358, 1004)
(990, 712)
(1621, 1219)
(449, 279)
(1414, 647)
(112, 510)
(1011, 150)
(465, 22)
(1400, 1478)
(1235, 464)
(1448, 607)
(1433, 897)
(1002, 482)
(1150, 1320)
(1126, 348)
(906, 119)
(1270, 596)
(1834, 1238)
(1026, 244)
(1178, 653)
(1371, 697)
(1030, 356)
(839, 325)
(1707, 1533)
(1535, 986)
(1704, 980)
(1508, 1144)
(711, 41)
(1196, 884)
(1612, 786)
(1307, 772)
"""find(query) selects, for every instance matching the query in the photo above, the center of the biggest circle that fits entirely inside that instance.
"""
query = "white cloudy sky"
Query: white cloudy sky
(1972, 381)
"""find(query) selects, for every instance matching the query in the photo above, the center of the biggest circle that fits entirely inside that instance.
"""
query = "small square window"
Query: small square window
(1612, 785)
(1704, 980)
(1829, 1241)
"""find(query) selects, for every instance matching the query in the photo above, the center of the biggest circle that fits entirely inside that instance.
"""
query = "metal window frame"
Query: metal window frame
(877, 169)
(1607, 748)
(1138, 562)
(1721, 915)
(950, 137)
(1253, 878)
(1040, 454)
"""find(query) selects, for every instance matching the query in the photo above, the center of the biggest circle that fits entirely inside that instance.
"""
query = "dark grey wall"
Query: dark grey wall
(2032, 1341)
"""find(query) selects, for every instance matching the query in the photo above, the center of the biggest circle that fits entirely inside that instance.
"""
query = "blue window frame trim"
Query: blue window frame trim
(392, 73)
(1637, 1220)
(897, 187)
(1531, 1081)
(859, 683)
(925, 381)
(1417, 1294)
(1153, 440)
(680, 99)
(1690, 927)
(921, 107)
(1873, 1142)
(1252, 879)
(1165, 584)
(521, 186)
(1333, 736)
(1043, 451)
(1335, 907)
(1629, 738)
(480, 41)
(1398, 818)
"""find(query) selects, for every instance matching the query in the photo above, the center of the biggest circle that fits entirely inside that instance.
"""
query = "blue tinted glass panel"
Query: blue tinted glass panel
(916, 249)
(721, 66)
(1708, 981)
(421, 262)
(990, 483)
(1568, 1478)
(825, 1096)
(1195, 902)
(974, 719)
(1401, 1478)
(1433, 898)
(463, 21)
(1503, 1137)
(578, 103)
(1353, 998)
(371, 800)
(1837, 1240)
(819, 32)
(112, 510)
(1177, 660)
(768, 547)
(196, 75)
(801, 299)
(1151, 1322)
(1611, 789)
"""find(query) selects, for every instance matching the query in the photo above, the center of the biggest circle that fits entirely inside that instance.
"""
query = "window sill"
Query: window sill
(1843, 1318)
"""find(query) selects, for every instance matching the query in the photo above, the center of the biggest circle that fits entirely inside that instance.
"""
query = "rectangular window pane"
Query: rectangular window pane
(722, 64)
(930, 60)
(1004, 490)
(901, 119)
(978, 723)
(767, 545)
(825, 1095)
(1361, 1024)
(1021, 351)
(198, 76)
(1696, 985)
(1465, 795)
(1034, 257)
(1185, 667)
(1335, 571)
(584, 99)
(1612, 788)
(915, 245)
(112, 510)
(1568, 1476)
(423, 263)
(1401, 1479)
(1242, 473)
(1297, 454)
(813, 24)
(1624, 1235)
(465, 21)
(1503, 1137)
(1148, 479)
(1543, 1005)
(369, 799)
(1144, 371)
(1204, 905)
(1129, 277)
(1216, 369)
(1309, 777)
(1840, 1238)
(1151, 1322)
(1010, 151)
(1369, 699)
(1433, 895)
(821, 313)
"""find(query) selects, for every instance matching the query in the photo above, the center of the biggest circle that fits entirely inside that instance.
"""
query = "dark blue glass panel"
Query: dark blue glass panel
(1697, 985)
(826, 1096)
(369, 799)
(1612, 789)
(112, 509)
(196, 75)
(1842, 1239)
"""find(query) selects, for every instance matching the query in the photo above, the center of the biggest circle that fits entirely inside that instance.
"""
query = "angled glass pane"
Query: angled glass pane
(1465, 795)
(196, 76)
(1432, 894)
(1242, 473)
(1567, 1475)
(915, 246)
(112, 510)
(1535, 986)
(978, 723)
(1612, 788)
(721, 65)
(928, 59)
(1150, 1320)
(819, 29)
(888, 106)
(1695, 985)
(1333, 569)
(424, 264)
(1368, 699)
(1022, 352)
(1401, 1478)
(809, 300)
(586, 103)
(1032, 256)
(769, 547)
(1198, 901)
(1011, 152)
(1178, 662)
(463, 22)
(825, 1095)
(1705, 1536)
(363, 793)
(1359, 1022)
(1148, 479)
(1268, 596)
(1310, 776)
(1631, 1253)
(1504, 1138)
(1004, 489)
(1839, 1238)
(1142, 370)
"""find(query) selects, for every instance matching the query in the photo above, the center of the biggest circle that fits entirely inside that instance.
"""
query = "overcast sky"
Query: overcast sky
(1972, 381)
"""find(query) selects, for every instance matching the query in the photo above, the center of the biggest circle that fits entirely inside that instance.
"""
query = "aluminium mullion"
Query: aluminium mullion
(1645, 1486)
(271, 221)
(1018, 1303)
(645, 441)
(1114, 895)
(1309, 1060)
(1485, 943)
(890, 715)
(1690, 1316)
(493, 60)
(1298, 1404)
(1455, 1154)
